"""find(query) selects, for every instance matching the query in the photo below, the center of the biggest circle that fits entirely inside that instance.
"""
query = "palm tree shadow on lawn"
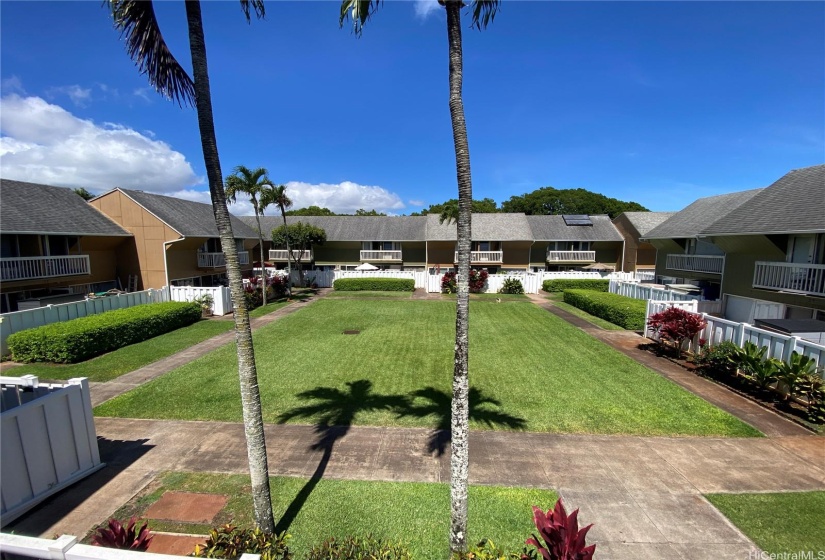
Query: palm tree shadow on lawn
(336, 411)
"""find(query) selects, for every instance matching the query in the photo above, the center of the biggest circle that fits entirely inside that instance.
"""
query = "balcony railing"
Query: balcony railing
(480, 257)
(380, 255)
(806, 279)
(297, 255)
(29, 268)
(217, 260)
(571, 256)
(710, 264)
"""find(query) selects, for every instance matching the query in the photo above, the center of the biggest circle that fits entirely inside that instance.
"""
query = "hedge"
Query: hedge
(623, 311)
(573, 284)
(87, 337)
(374, 284)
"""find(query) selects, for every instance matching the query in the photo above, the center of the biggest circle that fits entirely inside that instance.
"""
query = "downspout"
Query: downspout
(166, 264)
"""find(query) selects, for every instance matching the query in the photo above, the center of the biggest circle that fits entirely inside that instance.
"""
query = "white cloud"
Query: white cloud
(417, 202)
(12, 85)
(423, 8)
(43, 143)
(144, 94)
(239, 208)
(78, 95)
(343, 198)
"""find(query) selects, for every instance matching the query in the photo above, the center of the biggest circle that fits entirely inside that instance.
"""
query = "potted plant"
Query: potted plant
(205, 301)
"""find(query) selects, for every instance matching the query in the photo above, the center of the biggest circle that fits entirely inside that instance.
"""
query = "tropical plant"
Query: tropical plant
(511, 286)
(677, 325)
(448, 283)
(482, 13)
(720, 358)
(115, 535)
(205, 301)
(251, 183)
(488, 550)
(763, 373)
(300, 237)
(276, 194)
(359, 548)
(561, 538)
(145, 44)
(230, 542)
(478, 279)
(792, 372)
(749, 356)
(812, 388)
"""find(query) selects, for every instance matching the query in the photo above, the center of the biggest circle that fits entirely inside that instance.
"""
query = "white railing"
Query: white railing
(221, 297)
(572, 275)
(571, 256)
(718, 330)
(66, 547)
(49, 440)
(28, 268)
(644, 275)
(711, 264)
(642, 291)
(484, 256)
(297, 254)
(380, 256)
(217, 260)
(30, 318)
(791, 277)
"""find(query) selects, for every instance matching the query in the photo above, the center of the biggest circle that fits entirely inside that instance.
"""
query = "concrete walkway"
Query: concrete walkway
(644, 494)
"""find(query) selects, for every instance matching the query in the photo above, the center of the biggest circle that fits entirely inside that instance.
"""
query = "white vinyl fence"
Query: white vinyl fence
(66, 547)
(718, 330)
(221, 297)
(48, 440)
(420, 278)
(21, 320)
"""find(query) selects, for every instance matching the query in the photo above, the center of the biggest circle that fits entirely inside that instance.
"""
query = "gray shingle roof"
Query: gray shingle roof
(190, 219)
(695, 218)
(646, 221)
(553, 228)
(353, 228)
(794, 203)
(485, 227)
(34, 208)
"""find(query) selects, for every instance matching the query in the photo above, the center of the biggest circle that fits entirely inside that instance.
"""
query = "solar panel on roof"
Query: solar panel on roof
(577, 220)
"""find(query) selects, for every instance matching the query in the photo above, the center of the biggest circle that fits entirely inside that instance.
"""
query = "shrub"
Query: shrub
(561, 538)
(355, 548)
(676, 325)
(115, 535)
(575, 284)
(812, 387)
(206, 301)
(487, 550)
(478, 279)
(720, 359)
(625, 312)
(791, 373)
(511, 286)
(230, 542)
(374, 284)
(86, 337)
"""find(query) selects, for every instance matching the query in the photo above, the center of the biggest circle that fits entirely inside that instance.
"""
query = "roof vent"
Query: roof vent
(577, 220)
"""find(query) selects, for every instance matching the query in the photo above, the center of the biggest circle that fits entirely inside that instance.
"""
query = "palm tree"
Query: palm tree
(136, 21)
(251, 183)
(273, 194)
(482, 13)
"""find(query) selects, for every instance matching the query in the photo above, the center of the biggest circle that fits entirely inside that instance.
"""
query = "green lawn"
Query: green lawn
(129, 358)
(416, 513)
(529, 369)
(268, 308)
(778, 523)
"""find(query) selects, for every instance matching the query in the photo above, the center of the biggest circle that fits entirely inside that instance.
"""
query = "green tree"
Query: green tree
(251, 183)
(301, 237)
(373, 212)
(145, 44)
(548, 200)
(311, 211)
(482, 12)
(277, 195)
(83, 193)
(483, 206)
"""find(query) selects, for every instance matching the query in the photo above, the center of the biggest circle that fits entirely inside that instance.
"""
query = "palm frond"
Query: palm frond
(253, 5)
(360, 11)
(138, 25)
(483, 12)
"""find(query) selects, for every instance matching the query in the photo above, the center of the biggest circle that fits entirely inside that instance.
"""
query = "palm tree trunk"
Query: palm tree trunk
(264, 276)
(250, 396)
(288, 255)
(459, 456)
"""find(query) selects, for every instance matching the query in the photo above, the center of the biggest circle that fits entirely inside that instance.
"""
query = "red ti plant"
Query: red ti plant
(115, 535)
(563, 540)
(676, 325)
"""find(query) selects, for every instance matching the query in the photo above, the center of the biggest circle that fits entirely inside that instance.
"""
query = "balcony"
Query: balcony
(368, 256)
(29, 268)
(484, 257)
(297, 255)
(217, 260)
(808, 279)
(709, 264)
(571, 256)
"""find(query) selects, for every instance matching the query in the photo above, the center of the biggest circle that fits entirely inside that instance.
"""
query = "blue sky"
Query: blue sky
(656, 102)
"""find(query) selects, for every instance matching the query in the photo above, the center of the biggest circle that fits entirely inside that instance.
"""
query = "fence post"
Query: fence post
(58, 548)
(86, 399)
(740, 335)
(790, 348)
(647, 316)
